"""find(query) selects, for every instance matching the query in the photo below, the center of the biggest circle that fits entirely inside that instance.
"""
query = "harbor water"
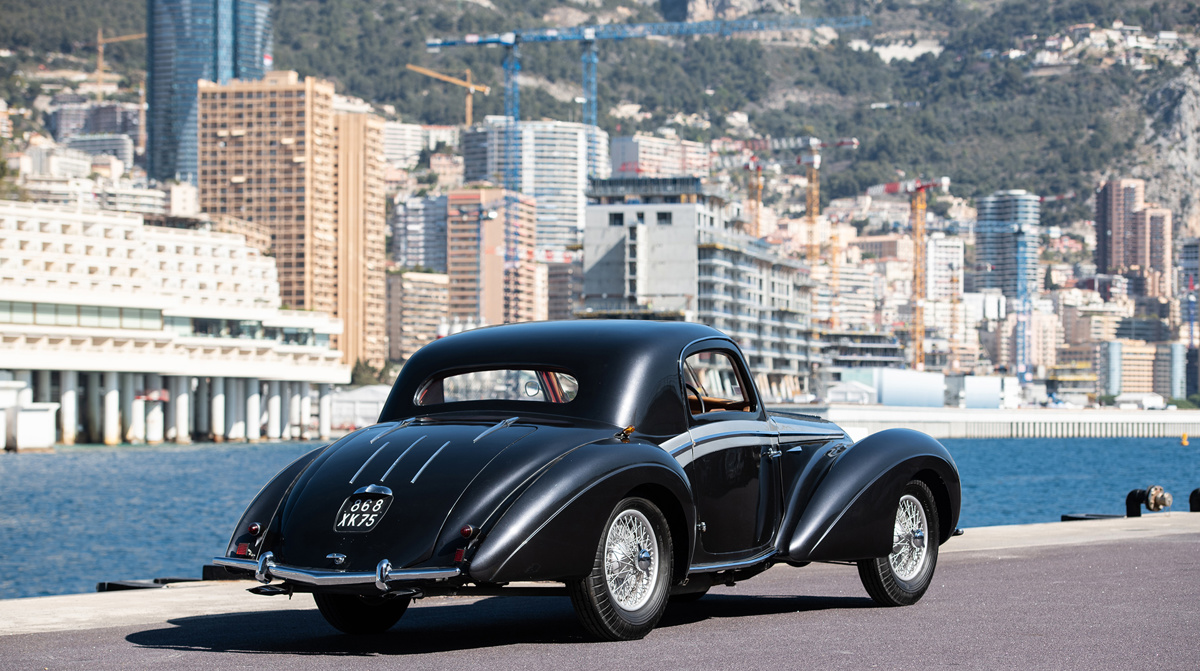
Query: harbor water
(87, 514)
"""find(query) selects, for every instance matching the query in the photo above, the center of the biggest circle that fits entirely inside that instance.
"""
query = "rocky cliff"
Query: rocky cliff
(1169, 156)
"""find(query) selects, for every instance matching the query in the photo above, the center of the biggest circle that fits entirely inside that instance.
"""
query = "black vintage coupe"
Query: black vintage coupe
(632, 462)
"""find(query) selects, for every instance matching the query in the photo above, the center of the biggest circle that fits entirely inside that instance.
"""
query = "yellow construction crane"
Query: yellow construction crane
(101, 40)
(917, 188)
(754, 187)
(811, 158)
(467, 84)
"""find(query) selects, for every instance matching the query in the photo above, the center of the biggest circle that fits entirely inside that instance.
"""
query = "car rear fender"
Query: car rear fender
(851, 513)
(264, 509)
(552, 530)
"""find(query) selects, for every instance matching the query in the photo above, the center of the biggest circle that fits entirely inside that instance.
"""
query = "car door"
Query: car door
(734, 469)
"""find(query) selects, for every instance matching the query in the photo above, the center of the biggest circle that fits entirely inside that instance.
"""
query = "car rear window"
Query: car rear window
(544, 386)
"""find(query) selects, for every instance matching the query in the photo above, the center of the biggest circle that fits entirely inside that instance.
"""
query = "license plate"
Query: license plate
(361, 512)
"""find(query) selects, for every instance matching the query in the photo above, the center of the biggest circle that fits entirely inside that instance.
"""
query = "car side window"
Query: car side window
(713, 383)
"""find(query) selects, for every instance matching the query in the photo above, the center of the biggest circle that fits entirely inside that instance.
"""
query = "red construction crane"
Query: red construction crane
(917, 189)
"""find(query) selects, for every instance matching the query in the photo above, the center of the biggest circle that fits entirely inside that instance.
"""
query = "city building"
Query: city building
(58, 161)
(111, 144)
(890, 246)
(189, 41)
(419, 233)
(6, 127)
(416, 314)
(644, 155)
(1116, 202)
(491, 239)
(1133, 366)
(96, 194)
(402, 144)
(448, 168)
(274, 151)
(1134, 238)
(944, 267)
(565, 291)
(554, 170)
(667, 248)
(1006, 243)
(92, 301)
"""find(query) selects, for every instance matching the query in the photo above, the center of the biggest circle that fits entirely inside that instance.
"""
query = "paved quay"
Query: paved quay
(1104, 594)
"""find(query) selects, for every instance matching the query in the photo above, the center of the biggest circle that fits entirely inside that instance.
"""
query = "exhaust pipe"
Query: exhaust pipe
(1155, 499)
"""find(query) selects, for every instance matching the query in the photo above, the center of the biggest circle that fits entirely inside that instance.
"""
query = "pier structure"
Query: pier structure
(862, 420)
(148, 334)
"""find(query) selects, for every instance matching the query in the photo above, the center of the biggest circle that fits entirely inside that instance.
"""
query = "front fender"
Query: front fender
(551, 532)
(264, 509)
(852, 513)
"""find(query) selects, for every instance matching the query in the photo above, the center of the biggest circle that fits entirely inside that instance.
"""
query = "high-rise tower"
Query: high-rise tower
(190, 40)
(278, 152)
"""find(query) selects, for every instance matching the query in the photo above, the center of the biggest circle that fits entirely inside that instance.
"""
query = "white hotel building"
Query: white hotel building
(144, 334)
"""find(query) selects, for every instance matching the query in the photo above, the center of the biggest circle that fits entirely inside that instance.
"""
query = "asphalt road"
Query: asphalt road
(1124, 604)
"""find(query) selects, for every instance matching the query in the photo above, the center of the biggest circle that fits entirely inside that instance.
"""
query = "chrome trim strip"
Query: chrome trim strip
(679, 450)
(490, 430)
(814, 436)
(731, 434)
(710, 568)
(399, 426)
(361, 468)
(327, 578)
(427, 461)
(397, 461)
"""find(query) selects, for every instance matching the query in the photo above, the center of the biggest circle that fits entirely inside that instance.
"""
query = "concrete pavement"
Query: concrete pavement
(1117, 594)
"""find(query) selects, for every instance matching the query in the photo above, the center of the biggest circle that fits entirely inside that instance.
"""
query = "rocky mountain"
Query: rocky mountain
(1168, 157)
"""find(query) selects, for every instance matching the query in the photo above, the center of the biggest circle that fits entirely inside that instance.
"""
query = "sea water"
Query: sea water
(88, 514)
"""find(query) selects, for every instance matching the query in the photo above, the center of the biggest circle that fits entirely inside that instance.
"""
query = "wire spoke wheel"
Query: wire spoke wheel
(908, 540)
(902, 577)
(626, 593)
(629, 562)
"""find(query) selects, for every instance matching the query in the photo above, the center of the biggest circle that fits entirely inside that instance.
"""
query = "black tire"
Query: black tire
(357, 615)
(627, 614)
(904, 587)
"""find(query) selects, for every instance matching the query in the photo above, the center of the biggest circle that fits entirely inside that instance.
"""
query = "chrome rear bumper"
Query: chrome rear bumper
(265, 570)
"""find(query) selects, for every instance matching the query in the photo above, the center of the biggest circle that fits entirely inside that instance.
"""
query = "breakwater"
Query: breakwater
(862, 420)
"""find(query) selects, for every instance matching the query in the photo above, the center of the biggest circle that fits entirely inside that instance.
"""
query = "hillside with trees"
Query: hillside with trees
(966, 112)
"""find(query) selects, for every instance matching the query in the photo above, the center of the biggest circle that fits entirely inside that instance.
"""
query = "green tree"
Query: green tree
(363, 374)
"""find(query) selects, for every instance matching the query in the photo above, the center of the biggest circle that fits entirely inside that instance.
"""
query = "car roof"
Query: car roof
(628, 370)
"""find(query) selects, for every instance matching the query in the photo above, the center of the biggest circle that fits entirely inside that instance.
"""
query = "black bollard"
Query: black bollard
(1133, 502)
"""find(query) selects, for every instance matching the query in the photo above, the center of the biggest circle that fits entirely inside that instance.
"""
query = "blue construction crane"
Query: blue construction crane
(589, 35)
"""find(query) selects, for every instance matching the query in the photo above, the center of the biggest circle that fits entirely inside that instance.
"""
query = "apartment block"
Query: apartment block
(491, 240)
(1116, 202)
(643, 155)
(274, 151)
(416, 312)
(891, 246)
(1006, 242)
(944, 267)
(189, 41)
(557, 157)
(402, 144)
(419, 233)
(361, 238)
(668, 248)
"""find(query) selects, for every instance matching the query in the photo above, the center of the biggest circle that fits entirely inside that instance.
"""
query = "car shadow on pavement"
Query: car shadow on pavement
(442, 627)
